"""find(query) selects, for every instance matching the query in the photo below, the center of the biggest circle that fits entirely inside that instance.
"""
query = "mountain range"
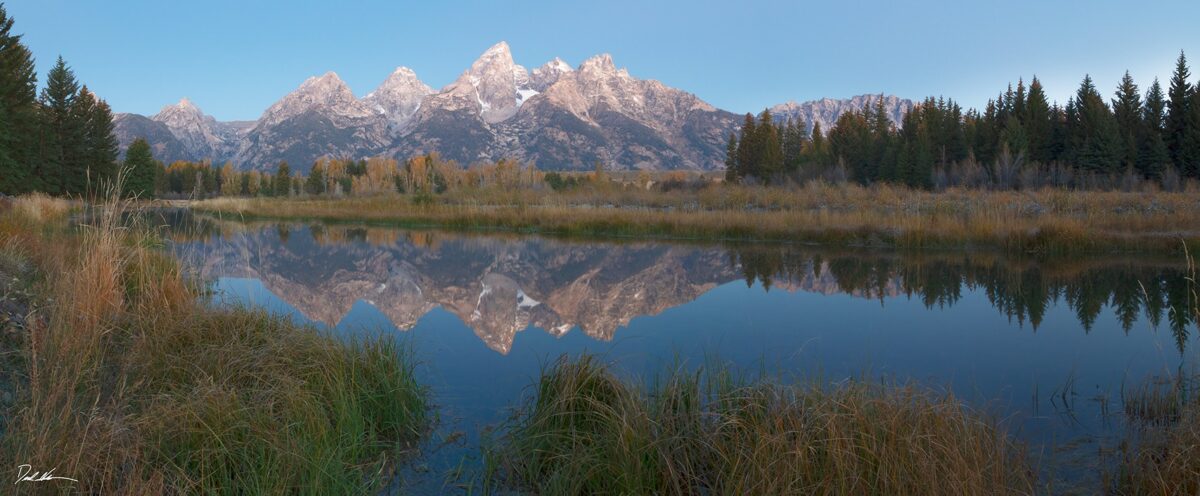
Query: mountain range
(557, 116)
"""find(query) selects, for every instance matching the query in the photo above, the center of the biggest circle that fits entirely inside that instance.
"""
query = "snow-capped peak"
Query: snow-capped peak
(549, 73)
(326, 92)
(399, 96)
(494, 85)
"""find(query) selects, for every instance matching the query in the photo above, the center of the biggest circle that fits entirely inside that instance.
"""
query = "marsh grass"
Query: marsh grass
(584, 431)
(1039, 221)
(1161, 454)
(133, 386)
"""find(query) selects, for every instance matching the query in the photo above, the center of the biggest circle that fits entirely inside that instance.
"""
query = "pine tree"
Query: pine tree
(315, 183)
(282, 182)
(1127, 108)
(1179, 99)
(746, 151)
(1152, 148)
(1189, 149)
(770, 148)
(62, 133)
(1095, 139)
(1037, 123)
(732, 174)
(102, 146)
(18, 111)
(141, 170)
(817, 147)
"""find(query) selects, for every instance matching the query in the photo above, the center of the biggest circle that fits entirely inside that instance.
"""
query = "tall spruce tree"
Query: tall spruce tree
(1095, 139)
(1152, 148)
(1189, 149)
(60, 163)
(18, 111)
(1127, 108)
(101, 141)
(1037, 123)
(731, 165)
(141, 170)
(1179, 97)
(746, 149)
(283, 180)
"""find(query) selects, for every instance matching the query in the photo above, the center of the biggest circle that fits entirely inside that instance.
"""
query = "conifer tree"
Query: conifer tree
(102, 146)
(282, 182)
(140, 169)
(746, 151)
(817, 152)
(770, 148)
(1037, 123)
(1152, 148)
(1094, 136)
(18, 111)
(62, 133)
(1127, 108)
(315, 183)
(1179, 99)
(731, 156)
(1189, 149)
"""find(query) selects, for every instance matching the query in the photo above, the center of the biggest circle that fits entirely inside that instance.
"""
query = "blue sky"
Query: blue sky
(235, 58)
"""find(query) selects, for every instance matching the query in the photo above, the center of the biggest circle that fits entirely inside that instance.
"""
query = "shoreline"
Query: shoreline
(1044, 222)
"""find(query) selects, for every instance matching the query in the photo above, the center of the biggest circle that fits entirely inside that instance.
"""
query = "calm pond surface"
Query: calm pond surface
(1045, 345)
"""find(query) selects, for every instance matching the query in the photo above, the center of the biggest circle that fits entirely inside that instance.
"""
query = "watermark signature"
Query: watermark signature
(25, 473)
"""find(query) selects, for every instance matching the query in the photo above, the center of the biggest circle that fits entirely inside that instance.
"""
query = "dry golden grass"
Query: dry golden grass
(134, 386)
(1053, 221)
(586, 432)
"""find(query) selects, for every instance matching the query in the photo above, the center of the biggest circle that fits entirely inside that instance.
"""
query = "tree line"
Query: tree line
(1019, 139)
(59, 141)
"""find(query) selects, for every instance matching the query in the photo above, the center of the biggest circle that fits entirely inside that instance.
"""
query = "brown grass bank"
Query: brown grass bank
(1043, 221)
(583, 431)
(129, 384)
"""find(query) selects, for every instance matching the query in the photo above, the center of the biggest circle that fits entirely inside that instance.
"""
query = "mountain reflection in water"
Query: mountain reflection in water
(500, 285)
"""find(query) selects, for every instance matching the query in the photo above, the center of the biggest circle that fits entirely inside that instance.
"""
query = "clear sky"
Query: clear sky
(234, 58)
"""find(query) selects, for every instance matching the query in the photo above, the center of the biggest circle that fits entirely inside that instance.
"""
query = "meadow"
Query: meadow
(1044, 221)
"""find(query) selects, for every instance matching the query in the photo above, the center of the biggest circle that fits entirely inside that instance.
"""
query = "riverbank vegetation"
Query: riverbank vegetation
(584, 431)
(123, 378)
(1047, 221)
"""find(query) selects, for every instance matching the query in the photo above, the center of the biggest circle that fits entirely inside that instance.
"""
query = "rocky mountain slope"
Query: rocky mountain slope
(827, 110)
(557, 116)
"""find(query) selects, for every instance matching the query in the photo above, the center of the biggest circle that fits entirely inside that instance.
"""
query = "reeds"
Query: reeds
(132, 385)
(1043, 221)
(584, 431)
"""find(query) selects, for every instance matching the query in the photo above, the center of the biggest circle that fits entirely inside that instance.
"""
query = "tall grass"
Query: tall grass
(134, 386)
(584, 431)
(1046, 221)
(1162, 454)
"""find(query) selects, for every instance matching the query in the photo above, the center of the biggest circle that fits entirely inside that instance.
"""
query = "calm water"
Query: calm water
(1046, 345)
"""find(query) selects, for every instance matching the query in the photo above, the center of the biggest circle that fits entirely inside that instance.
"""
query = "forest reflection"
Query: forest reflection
(1153, 291)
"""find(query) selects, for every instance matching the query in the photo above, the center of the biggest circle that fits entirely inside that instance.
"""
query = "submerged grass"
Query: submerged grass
(130, 385)
(585, 431)
(1042, 221)
(1162, 452)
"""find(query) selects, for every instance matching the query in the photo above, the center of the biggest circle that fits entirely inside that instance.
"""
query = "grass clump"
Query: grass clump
(587, 432)
(133, 385)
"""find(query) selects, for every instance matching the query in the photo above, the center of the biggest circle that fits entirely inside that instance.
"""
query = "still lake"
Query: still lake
(1045, 345)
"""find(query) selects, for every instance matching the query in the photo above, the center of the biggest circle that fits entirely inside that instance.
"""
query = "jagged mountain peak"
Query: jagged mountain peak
(549, 73)
(399, 96)
(326, 93)
(494, 86)
(598, 63)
